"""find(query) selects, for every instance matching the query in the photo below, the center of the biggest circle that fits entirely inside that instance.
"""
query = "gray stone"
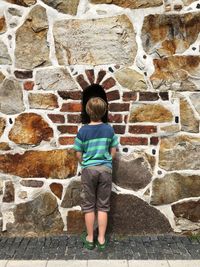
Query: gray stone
(195, 99)
(11, 92)
(1, 186)
(31, 40)
(9, 192)
(96, 41)
(25, 3)
(174, 186)
(132, 171)
(179, 153)
(32, 183)
(37, 217)
(72, 195)
(64, 6)
(130, 3)
(14, 12)
(58, 79)
(131, 215)
(4, 56)
(188, 209)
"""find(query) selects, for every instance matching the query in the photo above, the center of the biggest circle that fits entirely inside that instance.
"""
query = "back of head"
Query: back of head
(96, 108)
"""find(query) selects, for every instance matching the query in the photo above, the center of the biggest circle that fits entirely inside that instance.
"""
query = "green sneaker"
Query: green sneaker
(101, 247)
(87, 244)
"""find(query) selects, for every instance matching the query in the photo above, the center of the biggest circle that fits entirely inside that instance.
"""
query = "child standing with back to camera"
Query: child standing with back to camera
(95, 146)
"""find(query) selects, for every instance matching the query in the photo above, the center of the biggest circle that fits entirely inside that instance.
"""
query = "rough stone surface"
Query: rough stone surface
(130, 3)
(188, 209)
(4, 56)
(31, 40)
(150, 112)
(195, 99)
(25, 3)
(72, 195)
(88, 42)
(9, 193)
(57, 189)
(179, 153)
(55, 79)
(188, 121)
(4, 146)
(66, 6)
(132, 171)
(131, 79)
(2, 25)
(174, 186)
(2, 77)
(32, 183)
(43, 101)
(2, 125)
(142, 218)
(37, 217)
(23, 195)
(30, 129)
(177, 73)
(188, 2)
(11, 92)
(57, 164)
(75, 222)
(170, 34)
(1, 186)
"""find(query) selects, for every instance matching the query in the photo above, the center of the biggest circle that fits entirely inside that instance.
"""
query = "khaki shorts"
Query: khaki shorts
(96, 188)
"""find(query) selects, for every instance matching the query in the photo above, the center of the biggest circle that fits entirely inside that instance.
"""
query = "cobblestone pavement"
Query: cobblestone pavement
(168, 247)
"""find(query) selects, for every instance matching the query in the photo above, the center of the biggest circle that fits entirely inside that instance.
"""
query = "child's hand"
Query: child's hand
(79, 156)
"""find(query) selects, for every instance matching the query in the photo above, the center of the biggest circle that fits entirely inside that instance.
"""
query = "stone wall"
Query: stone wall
(146, 56)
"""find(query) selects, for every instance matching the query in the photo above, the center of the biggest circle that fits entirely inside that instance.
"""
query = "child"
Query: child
(95, 146)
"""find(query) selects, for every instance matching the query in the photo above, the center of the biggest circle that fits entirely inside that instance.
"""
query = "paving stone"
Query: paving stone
(26, 264)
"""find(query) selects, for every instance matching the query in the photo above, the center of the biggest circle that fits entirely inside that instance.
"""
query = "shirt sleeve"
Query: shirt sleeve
(114, 141)
(78, 144)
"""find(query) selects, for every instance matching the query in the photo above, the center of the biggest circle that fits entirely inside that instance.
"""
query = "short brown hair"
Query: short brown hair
(96, 108)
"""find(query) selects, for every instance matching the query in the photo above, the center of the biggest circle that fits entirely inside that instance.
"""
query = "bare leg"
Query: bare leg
(102, 222)
(89, 222)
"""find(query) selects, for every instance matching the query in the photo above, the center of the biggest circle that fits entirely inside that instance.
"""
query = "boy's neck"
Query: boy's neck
(95, 122)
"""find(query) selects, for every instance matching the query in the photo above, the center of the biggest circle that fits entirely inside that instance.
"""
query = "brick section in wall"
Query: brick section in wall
(133, 141)
(142, 129)
(66, 140)
(71, 107)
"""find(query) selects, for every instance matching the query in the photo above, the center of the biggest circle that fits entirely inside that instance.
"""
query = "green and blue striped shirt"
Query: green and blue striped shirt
(94, 141)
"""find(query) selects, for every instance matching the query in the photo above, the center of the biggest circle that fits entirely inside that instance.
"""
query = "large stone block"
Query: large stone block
(57, 164)
(4, 56)
(96, 41)
(177, 73)
(179, 153)
(75, 222)
(58, 79)
(72, 195)
(130, 3)
(31, 40)
(64, 6)
(170, 34)
(188, 209)
(9, 192)
(131, 215)
(132, 171)
(11, 92)
(43, 101)
(195, 99)
(30, 129)
(174, 186)
(37, 217)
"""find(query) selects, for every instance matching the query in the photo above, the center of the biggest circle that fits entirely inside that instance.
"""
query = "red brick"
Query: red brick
(119, 129)
(115, 118)
(127, 96)
(126, 118)
(141, 129)
(74, 95)
(28, 85)
(119, 106)
(90, 75)
(66, 140)
(81, 80)
(148, 96)
(74, 118)
(129, 140)
(71, 107)
(57, 118)
(114, 95)
(71, 129)
(108, 83)
(154, 140)
(100, 76)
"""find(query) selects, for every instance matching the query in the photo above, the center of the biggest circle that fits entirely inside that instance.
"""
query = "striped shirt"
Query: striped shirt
(94, 141)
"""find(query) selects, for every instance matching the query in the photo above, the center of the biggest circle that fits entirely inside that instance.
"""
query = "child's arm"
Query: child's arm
(113, 151)
(79, 156)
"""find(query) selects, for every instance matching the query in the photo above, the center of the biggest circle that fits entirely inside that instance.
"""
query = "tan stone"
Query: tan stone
(64, 6)
(195, 99)
(130, 3)
(131, 79)
(22, 2)
(188, 209)
(31, 40)
(188, 2)
(179, 153)
(57, 164)
(171, 129)
(106, 41)
(4, 56)
(150, 112)
(4, 146)
(2, 25)
(43, 101)
(178, 73)
(188, 121)
(2, 125)
(170, 34)
(174, 186)
(2, 77)
(23, 195)
(75, 222)
(30, 129)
